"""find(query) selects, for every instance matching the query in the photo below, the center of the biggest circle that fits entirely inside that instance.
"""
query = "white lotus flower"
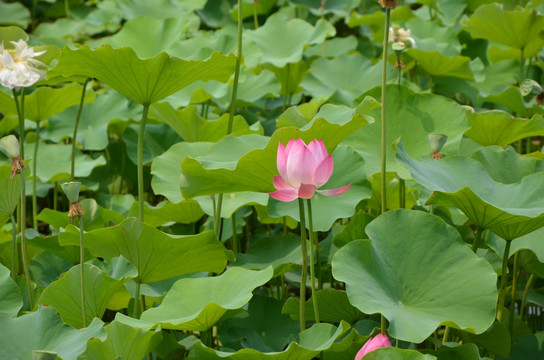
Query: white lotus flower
(398, 34)
(18, 68)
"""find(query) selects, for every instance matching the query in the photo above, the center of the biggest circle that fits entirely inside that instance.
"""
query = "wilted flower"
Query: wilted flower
(303, 169)
(388, 4)
(398, 34)
(9, 145)
(18, 68)
(379, 341)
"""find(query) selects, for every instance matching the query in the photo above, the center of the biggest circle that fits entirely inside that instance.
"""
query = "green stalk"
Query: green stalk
(23, 242)
(312, 260)
(402, 193)
(76, 126)
(13, 247)
(477, 239)
(287, 74)
(34, 166)
(136, 309)
(513, 293)
(528, 287)
(217, 216)
(255, 19)
(234, 235)
(521, 65)
(67, 8)
(302, 308)
(141, 164)
(82, 263)
(446, 337)
(504, 280)
(21, 116)
(384, 81)
(55, 196)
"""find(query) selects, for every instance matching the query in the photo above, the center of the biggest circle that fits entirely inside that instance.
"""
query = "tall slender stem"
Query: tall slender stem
(67, 8)
(23, 242)
(34, 180)
(477, 239)
(136, 309)
(255, 19)
(303, 275)
(141, 164)
(234, 235)
(287, 75)
(402, 193)
(528, 287)
(521, 65)
(384, 82)
(513, 293)
(21, 116)
(82, 263)
(13, 247)
(76, 126)
(446, 337)
(504, 280)
(312, 259)
(56, 196)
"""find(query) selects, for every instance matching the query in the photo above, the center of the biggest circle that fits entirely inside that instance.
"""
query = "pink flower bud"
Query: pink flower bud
(376, 342)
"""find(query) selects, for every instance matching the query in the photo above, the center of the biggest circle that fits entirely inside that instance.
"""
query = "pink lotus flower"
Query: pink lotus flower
(376, 342)
(303, 169)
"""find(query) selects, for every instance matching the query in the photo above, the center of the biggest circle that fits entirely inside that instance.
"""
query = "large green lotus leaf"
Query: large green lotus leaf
(412, 117)
(354, 230)
(260, 7)
(333, 47)
(15, 14)
(253, 89)
(10, 296)
(157, 139)
(11, 33)
(528, 347)
(511, 99)
(308, 344)
(161, 9)
(123, 342)
(391, 353)
(46, 102)
(341, 8)
(517, 29)
(496, 339)
(414, 271)
(437, 64)
(333, 305)
(497, 127)
(349, 75)
(348, 169)
(203, 43)
(184, 212)
(513, 167)
(430, 36)
(263, 327)
(197, 304)
(10, 194)
(509, 210)
(144, 81)
(148, 36)
(377, 18)
(53, 163)
(65, 294)
(456, 351)
(232, 202)
(44, 330)
(188, 124)
(248, 163)
(156, 255)
(282, 253)
(92, 133)
(51, 245)
(166, 169)
(95, 216)
(278, 45)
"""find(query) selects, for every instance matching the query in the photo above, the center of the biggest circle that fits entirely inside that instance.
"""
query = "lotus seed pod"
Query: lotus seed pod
(398, 46)
(437, 141)
(530, 86)
(9, 145)
(71, 189)
(389, 4)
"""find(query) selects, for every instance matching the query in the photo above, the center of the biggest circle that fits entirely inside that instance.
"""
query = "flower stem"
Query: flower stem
(34, 167)
(23, 242)
(82, 263)
(234, 235)
(528, 287)
(76, 126)
(313, 244)
(504, 280)
(302, 309)
(521, 65)
(136, 308)
(402, 193)
(384, 81)
(13, 247)
(477, 239)
(513, 293)
(446, 336)
(141, 164)
(21, 116)
(255, 19)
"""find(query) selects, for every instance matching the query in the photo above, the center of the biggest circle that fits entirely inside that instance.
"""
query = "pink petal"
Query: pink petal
(323, 171)
(378, 341)
(318, 149)
(334, 192)
(295, 169)
(280, 184)
(281, 160)
(285, 195)
(306, 191)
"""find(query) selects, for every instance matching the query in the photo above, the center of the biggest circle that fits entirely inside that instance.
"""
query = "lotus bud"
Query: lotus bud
(71, 189)
(437, 141)
(389, 4)
(530, 86)
(9, 145)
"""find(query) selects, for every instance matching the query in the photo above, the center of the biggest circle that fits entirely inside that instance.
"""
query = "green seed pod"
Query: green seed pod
(71, 189)
(529, 86)
(9, 145)
(437, 141)
(398, 46)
